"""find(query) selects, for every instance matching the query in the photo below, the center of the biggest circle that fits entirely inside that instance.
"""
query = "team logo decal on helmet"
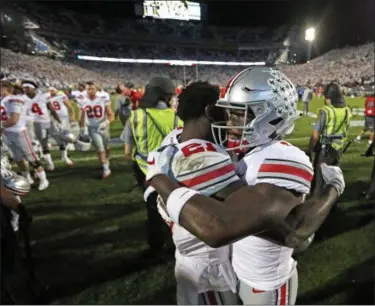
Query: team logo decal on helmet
(261, 105)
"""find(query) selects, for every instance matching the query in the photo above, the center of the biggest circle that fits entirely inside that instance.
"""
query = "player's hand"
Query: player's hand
(332, 175)
(162, 209)
(159, 161)
(103, 125)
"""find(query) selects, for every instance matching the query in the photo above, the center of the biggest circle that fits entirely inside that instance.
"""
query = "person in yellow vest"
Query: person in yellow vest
(329, 136)
(143, 133)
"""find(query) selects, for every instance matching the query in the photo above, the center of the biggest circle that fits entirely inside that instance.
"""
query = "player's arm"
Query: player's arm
(82, 118)
(109, 112)
(70, 108)
(248, 211)
(16, 107)
(53, 112)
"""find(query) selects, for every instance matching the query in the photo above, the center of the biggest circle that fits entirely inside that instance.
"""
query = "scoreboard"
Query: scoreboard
(172, 10)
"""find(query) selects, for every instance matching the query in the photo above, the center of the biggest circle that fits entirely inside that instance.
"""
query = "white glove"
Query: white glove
(332, 175)
(159, 161)
(162, 209)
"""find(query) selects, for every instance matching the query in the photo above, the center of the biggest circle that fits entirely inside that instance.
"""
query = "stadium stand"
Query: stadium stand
(73, 33)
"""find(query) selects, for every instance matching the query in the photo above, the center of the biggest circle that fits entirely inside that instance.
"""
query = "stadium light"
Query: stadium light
(309, 37)
(166, 61)
(310, 34)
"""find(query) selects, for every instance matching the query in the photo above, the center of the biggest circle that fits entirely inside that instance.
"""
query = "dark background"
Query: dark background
(338, 22)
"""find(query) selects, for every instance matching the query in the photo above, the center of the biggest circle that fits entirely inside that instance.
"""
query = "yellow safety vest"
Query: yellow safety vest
(149, 128)
(337, 123)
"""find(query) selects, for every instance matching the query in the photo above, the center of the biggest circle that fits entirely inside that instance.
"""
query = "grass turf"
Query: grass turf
(90, 243)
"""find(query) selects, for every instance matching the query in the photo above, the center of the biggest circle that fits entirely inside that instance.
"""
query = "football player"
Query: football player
(65, 111)
(80, 94)
(98, 113)
(204, 275)
(13, 119)
(45, 127)
(253, 96)
(262, 107)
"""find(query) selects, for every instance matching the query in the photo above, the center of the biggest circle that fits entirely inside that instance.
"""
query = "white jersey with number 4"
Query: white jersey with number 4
(203, 166)
(58, 104)
(37, 108)
(259, 263)
(14, 104)
(95, 110)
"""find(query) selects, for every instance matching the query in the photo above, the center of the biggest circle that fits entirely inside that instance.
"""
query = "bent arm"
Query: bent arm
(53, 112)
(71, 111)
(249, 211)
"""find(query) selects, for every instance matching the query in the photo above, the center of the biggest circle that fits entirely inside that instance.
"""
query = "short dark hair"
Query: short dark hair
(194, 99)
(90, 83)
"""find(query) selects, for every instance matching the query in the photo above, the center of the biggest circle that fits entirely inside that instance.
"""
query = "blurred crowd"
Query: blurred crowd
(350, 66)
(88, 24)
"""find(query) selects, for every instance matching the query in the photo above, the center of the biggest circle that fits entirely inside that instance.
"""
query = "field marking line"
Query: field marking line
(88, 158)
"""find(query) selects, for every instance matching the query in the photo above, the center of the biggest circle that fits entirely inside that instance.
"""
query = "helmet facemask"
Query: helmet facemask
(262, 107)
(240, 127)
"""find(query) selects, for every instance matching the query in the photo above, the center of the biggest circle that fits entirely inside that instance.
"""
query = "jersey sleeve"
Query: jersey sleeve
(292, 171)
(16, 105)
(207, 171)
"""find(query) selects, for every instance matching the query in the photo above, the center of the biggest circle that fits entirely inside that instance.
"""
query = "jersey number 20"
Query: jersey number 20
(94, 112)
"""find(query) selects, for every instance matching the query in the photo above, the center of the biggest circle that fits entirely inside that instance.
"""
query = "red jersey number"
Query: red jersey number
(3, 113)
(56, 105)
(195, 148)
(36, 109)
(94, 112)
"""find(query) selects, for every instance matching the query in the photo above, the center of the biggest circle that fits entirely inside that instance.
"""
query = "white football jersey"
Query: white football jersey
(58, 104)
(203, 166)
(79, 96)
(172, 137)
(14, 104)
(37, 109)
(259, 263)
(103, 94)
(95, 110)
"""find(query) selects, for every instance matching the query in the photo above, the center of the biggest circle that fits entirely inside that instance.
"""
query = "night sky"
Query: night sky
(339, 22)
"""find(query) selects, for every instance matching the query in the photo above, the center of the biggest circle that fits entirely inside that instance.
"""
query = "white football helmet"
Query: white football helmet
(67, 136)
(16, 184)
(261, 104)
(83, 143)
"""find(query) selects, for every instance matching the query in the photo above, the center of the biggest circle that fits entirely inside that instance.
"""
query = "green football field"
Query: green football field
(89, 239)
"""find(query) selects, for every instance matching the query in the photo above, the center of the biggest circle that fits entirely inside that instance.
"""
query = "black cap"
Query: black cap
(333, 92)
(157, 89)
